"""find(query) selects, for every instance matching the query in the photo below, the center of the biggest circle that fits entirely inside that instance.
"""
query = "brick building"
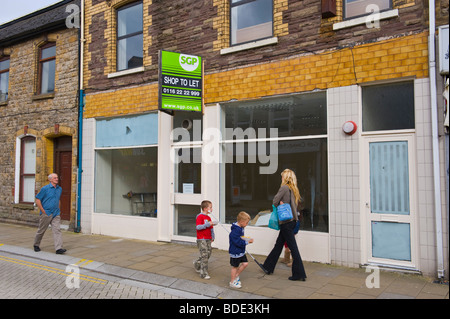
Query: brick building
(308, 68)
(38, 112)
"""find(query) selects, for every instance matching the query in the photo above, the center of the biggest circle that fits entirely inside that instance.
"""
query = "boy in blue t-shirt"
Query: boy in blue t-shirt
(238, 242)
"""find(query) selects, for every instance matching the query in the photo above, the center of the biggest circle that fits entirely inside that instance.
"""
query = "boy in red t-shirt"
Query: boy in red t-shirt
(205, 235)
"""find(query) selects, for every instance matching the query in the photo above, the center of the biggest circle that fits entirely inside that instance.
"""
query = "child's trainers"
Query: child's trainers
(196, 266)
(235, 284)
(205, 276)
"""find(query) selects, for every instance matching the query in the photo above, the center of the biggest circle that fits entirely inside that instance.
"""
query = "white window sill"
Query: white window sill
(250, 45)
(366, 19)
(125, 72)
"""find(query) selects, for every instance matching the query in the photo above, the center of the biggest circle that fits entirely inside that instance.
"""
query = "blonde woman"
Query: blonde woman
(288, 193)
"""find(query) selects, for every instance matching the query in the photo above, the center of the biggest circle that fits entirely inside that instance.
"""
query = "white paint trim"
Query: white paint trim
(126, 72)
(250, 45)
(365, 19)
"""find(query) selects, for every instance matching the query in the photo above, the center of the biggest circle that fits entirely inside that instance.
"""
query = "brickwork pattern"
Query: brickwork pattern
(27, 113)
(404, 57)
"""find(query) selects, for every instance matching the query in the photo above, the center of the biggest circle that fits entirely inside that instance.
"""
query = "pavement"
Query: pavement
(168, 268)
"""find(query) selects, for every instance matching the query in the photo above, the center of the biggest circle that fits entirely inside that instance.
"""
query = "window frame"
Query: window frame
(243, 2)
(231, 141)
(344, 13)
(2, 71)
(119, 38)
(368, 127)
(41, 63)
(22, 175)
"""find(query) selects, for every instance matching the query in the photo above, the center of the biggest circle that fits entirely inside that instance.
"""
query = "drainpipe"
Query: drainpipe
(435, 139)
(80, 115)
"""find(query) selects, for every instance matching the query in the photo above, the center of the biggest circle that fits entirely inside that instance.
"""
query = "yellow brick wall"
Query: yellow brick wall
(384, 60)
(121, 102)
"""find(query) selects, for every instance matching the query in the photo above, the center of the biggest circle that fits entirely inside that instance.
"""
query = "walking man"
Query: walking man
(48, 201)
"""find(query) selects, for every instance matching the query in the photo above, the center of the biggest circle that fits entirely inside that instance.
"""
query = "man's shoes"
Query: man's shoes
(61, 251)
(36, 248)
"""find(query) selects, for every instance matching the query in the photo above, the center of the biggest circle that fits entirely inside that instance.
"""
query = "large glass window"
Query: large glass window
(356, 8)
(126, 165)
(300, 146)
(388, 107)
(130, 37)
(47, 64)
(4, 78)
(251, 20)
(126, 181)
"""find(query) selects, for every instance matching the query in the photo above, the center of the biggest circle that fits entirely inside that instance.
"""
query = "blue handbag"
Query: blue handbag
(284, 212)
(273, 221)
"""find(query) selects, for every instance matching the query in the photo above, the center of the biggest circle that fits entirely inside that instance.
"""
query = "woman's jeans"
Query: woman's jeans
(286, 235)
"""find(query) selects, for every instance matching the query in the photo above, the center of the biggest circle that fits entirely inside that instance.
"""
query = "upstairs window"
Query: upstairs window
(251, 20)
(4, 78)
(357, 8)
(129, 37)
(47, 64)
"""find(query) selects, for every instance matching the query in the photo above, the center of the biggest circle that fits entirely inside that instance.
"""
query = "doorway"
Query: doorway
(63, 167)
(389, 200)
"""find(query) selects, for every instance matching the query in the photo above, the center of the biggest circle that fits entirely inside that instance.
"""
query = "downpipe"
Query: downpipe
(435, 139)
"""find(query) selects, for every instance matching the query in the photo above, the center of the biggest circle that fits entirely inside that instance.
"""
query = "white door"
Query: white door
(389, 201)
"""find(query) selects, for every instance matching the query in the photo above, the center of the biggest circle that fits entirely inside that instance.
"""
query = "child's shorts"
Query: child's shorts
(235, 262)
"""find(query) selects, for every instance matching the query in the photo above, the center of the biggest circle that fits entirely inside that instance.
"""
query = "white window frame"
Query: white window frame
(18, 167)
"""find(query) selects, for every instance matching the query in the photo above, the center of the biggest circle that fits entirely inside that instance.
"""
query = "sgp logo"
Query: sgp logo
(189, 62)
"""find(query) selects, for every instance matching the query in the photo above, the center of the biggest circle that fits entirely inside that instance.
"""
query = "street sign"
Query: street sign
(180, 82)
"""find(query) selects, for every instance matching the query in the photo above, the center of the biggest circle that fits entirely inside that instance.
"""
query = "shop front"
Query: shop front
(145, 175)
(234, 154)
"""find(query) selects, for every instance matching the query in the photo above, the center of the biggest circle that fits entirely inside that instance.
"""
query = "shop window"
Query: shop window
(251, 20)
(295, 115)
(130, 36)
(300, 146)
(4, 78)
(356, 8)
(27, 169)
(126, 165)
(388, 107)
(47, 64)
(126, 181)
(127, 131)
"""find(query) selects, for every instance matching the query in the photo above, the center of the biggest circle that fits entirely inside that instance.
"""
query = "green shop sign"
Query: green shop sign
(180, 82)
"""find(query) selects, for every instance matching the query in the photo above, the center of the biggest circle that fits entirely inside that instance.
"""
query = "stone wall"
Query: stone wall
(43, 116)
